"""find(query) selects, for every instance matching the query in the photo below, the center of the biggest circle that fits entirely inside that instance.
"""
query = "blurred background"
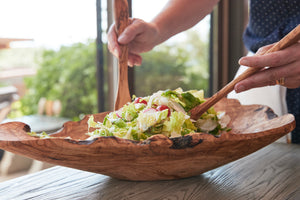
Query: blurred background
(52, 54)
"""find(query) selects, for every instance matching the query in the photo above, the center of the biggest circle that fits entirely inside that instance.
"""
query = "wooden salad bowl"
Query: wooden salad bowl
(157, 158)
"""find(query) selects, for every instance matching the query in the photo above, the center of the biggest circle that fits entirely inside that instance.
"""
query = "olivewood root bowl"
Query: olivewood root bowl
(159, 157)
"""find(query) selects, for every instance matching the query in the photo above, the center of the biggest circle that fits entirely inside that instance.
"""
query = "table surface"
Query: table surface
(270, 173)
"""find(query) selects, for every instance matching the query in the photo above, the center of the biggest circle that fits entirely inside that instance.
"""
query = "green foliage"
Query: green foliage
(198, 61)
(159, 71)
(68, 75)
(183, 64)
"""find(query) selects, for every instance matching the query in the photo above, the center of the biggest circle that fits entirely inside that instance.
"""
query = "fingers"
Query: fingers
(289, 73)
(114, 48)
(113, 45)
(140, 37)
(260, 79)
(282, 65)
(128, 35)
(135, 28)
(274, 59)
(264, 49)
(134, 60)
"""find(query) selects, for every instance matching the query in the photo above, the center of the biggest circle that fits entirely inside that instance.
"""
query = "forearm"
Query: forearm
(180, 15)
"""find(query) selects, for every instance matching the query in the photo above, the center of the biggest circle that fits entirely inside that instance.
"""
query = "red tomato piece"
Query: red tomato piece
(140, 100)
(154, 105)
(164, 107)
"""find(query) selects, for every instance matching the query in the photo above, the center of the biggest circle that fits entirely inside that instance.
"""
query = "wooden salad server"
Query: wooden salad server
(121, 15)
(290, 39)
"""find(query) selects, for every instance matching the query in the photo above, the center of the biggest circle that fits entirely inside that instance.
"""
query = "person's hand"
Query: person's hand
(140, 37)
(283, 68)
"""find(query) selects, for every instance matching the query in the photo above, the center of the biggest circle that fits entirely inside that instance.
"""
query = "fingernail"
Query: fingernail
(240, 88)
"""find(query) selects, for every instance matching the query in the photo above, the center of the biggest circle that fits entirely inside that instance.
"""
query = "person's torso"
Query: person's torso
(269, 21)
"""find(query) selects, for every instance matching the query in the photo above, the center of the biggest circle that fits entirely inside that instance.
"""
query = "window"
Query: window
(207, 64)
(60, 52)
(182, 61)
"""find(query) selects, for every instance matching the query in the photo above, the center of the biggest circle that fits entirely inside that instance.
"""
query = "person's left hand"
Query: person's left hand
(282, 65)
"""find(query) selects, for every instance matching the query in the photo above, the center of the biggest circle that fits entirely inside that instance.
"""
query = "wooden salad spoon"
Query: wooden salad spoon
(121, 15)
(290, 39)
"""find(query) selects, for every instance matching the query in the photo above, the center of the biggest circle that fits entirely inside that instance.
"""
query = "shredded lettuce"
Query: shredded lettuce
(148, 119)
(174, 126)
(42, 135)
(129, 112)
(164, 112)
(187, 100)
(144, 117)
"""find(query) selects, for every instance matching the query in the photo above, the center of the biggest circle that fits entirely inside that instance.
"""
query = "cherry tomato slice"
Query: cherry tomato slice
(164, 107)
(140, 100)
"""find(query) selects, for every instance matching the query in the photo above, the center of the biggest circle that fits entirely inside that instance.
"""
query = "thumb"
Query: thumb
(132, 31)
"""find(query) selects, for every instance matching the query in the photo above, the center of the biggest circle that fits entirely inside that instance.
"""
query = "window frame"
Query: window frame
(228, 23)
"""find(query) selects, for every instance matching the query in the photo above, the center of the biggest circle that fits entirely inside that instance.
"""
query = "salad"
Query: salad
(164, 112)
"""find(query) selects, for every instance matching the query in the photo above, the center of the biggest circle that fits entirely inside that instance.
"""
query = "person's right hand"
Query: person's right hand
(140, 37)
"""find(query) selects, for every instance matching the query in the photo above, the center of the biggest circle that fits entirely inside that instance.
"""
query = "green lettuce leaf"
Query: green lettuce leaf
(174, 125)
(146, 120)
(129, 112)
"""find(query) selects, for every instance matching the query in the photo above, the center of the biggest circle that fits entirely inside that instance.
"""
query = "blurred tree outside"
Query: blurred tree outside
(184, 64)
(160, 70)
(69, 74)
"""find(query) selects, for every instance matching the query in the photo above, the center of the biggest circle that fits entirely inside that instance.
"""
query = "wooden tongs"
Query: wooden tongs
(290, 39)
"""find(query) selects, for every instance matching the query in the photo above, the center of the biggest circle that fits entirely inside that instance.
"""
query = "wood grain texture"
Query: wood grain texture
(271, 173)
(121, 15)
(159, 157)
(290, 39)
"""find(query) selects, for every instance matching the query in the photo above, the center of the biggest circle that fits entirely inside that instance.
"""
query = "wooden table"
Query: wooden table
(270, 173)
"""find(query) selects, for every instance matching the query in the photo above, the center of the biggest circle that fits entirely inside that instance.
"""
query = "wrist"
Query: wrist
(158, 34)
